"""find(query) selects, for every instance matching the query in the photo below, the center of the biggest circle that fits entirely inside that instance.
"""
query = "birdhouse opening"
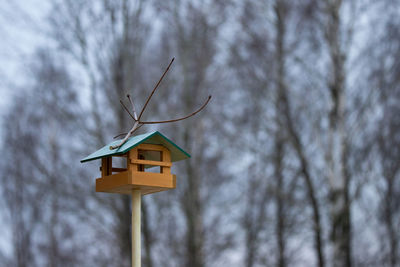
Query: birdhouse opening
(151, 158)
(150, 155)
(119, 163)
(113, 165)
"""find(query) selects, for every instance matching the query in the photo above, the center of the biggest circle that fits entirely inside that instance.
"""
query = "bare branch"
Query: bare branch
(134, 128)
(139, 123)
(179, 119)
(119, 135)
(127, 110)
(133, 107)
(137, 128)
(122, 134)
(155, 88)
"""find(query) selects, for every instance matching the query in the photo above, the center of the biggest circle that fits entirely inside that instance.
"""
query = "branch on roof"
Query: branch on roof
(129, 134)
(138, 123)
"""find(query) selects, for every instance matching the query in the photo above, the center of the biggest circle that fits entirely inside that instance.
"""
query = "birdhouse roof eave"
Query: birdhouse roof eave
(155, 138)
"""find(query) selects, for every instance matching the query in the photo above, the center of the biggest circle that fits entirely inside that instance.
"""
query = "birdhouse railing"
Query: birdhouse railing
(107, 168)
(147, 155)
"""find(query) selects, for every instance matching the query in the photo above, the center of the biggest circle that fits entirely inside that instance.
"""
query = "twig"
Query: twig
(138, 123)
(137, 128)
(122, 134)
(133, 107)
(155, 88)
(127, 110)
(118, 135)
(179, 119)
(134, 128)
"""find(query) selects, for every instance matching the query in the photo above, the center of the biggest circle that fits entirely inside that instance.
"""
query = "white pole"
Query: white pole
(136, 209)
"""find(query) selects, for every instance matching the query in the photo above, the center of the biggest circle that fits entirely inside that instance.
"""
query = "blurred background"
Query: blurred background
(295, 161)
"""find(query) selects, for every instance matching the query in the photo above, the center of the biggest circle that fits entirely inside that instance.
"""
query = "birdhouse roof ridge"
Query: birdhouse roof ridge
(155, 138)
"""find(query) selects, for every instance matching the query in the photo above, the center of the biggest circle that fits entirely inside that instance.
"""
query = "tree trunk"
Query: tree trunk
(193, 214)
(280, 12)
(124, 228)
(280, 215)
(391, 231)
(284, 109)
(337, 154)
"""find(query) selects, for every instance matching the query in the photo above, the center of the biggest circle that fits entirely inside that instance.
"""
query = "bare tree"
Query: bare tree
(33, 189)
(192, 35)
(106, 40)
(337, 153)
(388, 142)
(284, 108)
(260, 46)
(385, 141)
(302, 131)
(15, 192)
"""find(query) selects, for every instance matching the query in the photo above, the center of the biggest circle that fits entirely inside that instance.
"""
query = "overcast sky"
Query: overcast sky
(22, 30)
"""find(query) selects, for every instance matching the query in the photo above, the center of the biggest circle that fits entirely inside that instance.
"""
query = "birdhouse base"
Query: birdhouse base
(125, 182)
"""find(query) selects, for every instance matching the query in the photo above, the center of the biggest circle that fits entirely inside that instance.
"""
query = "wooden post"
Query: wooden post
(136, 238)
(136, 211)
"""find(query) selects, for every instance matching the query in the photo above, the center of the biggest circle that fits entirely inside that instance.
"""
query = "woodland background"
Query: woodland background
(295, 162)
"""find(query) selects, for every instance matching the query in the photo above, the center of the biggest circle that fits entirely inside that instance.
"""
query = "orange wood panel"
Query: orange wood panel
(153, 179)
(124, 182)
(106, 165)
(150, 147)
(166, 157)
(151, 162)
(133, 155)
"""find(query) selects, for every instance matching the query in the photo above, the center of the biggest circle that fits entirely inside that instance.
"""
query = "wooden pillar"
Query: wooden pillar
(136, 238)
(165, 157)
(106, 166)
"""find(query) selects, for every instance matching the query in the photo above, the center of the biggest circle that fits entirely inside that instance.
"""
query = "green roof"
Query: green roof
(155, 138)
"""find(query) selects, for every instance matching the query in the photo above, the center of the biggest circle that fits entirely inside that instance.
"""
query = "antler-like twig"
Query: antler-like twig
(155, 88)
(119, 135)
(127, 110)
(138, 123)
(179, 119)
(122, 134)
(133, 107)
(134, 128)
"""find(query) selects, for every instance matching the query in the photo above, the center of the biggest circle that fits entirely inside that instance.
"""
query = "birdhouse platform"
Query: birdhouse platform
(147, 160)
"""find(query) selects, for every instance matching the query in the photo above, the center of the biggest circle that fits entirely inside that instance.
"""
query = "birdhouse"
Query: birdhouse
(147, 160)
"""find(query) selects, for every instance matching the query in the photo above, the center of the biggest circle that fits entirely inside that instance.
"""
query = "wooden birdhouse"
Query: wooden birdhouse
(140, 154)
(147, 160)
